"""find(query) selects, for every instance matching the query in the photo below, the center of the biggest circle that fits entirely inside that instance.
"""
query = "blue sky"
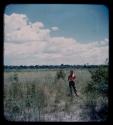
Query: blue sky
(55, 34)
(83, 22)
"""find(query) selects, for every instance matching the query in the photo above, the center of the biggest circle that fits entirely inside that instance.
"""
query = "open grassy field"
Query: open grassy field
(42, 96)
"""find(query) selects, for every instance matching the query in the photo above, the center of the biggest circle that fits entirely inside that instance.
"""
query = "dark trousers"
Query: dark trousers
(72, 85)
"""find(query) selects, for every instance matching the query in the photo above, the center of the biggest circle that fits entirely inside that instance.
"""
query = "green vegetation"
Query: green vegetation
(96, 92)
(42, 95)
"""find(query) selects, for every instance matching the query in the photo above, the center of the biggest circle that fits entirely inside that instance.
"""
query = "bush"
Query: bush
(99, 81)
(95, 88)
(60, 74)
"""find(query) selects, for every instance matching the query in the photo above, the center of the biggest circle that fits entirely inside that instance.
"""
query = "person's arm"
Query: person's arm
(74, 77)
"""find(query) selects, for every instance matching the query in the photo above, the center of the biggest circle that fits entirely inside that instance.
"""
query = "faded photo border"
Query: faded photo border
(4, 5)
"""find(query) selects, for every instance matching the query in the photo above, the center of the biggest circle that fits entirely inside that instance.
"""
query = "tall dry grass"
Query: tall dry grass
(42, 96)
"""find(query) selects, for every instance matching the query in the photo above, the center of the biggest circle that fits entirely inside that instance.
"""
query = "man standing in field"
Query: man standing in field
(71, 79)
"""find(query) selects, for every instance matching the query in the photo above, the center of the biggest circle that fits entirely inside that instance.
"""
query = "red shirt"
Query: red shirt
(71, 77)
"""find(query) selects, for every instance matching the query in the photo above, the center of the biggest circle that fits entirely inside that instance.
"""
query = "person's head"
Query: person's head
(71, 72)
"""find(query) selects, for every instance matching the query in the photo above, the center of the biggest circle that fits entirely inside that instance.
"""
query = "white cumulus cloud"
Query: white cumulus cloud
(54, 28)
(27, 43)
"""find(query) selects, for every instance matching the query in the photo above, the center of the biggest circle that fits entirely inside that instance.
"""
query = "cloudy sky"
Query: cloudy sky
(53, 34)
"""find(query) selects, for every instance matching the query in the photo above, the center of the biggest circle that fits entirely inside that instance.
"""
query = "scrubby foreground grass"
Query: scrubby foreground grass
(43, 96)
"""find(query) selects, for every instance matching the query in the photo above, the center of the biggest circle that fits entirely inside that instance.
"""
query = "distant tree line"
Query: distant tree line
(62, 66)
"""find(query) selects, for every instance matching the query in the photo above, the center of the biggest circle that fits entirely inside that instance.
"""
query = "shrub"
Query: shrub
(15, 77)
(96, 87)
(60, 74)
(99, 81)
(14, 86)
